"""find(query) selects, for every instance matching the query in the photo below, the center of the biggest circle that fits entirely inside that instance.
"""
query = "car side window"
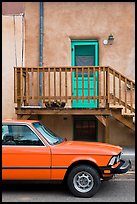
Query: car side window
(19, 135)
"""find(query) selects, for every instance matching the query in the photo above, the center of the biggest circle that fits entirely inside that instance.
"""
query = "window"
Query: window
(19, 135)
(49, 135)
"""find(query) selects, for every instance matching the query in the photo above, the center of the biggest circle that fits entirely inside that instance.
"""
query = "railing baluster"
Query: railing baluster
(108, 85)
(15, 85)
(119, 89)
(21, 85)
(60, 83)
(43, 85)
(82, 84)
(66, 84)
(49, 83)
(27, 87)
(32, 72)
(54, 84)
(99, 85)
(125, 95)
(104, 85)
(77, 84)
(114, 88)
(94, 75)
(38, 75)
(88, 84)
(131, 96)
(71, 84)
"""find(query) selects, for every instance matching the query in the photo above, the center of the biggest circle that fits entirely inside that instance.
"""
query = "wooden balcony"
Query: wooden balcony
(57, 86)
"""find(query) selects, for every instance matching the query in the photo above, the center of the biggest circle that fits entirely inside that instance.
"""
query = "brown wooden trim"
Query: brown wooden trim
(102, 119)
(66, 87)
(60, 82)
(49, 84)
(27, 87)
(77, 84)
(32, 74)
(119, 89)
(43, 85)
(63, 111)
(107, 130)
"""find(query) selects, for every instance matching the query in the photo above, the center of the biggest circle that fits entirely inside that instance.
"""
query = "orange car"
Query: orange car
(30, 151)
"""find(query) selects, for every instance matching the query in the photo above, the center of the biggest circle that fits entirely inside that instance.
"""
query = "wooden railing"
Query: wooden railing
(57, 84)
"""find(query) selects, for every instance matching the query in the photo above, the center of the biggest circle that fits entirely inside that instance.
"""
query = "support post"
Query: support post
(107, 130)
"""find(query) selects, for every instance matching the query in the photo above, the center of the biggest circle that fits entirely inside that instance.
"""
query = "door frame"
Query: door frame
(84, 42)
(96, 63)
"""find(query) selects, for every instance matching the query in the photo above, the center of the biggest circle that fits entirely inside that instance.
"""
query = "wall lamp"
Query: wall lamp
(109, 41)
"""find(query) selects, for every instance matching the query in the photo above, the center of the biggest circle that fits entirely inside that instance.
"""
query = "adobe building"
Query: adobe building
(80, 54)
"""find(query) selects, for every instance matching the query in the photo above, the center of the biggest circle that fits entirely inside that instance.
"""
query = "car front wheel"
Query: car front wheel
(83, 181)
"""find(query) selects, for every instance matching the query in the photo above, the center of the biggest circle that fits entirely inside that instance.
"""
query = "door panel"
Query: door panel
(85, 53)
(25, 157)
(25, 163)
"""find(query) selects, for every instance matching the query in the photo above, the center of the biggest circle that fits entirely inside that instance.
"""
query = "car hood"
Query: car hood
(79, 147)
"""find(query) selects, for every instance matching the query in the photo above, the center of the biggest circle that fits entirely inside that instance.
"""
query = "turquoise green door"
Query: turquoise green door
(84, 53)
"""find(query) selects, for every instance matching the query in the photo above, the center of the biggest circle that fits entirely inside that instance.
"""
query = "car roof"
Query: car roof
(18, 121)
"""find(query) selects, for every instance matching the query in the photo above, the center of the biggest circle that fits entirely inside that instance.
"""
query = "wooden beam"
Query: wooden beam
(102, 119)
(123, 120)
(61, 111)
(23, 117)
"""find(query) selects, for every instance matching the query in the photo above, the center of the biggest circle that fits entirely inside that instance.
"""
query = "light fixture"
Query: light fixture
(109, 41)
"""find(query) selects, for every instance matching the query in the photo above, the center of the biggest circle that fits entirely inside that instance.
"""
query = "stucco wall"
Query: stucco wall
(12, 8)
(11, 53)
(64, 21)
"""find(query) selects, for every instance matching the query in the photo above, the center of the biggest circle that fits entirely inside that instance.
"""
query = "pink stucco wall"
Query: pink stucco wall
(12, 8)
(64, 21)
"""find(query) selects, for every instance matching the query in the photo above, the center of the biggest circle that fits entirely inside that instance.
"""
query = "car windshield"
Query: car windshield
(49, 135)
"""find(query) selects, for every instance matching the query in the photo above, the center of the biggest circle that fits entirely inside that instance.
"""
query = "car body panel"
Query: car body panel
(22, 162)
(51, 162)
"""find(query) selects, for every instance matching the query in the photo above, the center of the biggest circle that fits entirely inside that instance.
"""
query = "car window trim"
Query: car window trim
(31, 130)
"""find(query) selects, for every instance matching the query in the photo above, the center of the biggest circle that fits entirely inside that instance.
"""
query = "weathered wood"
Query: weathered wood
(49, 84)
(107, 130)
(88, 84)
(38, 91)
(104, 81)
(29, 74)
(54, 84)
(60, 82)
(125, 95)
(131, 96)
(43, 85)
(114, 88)
(23, 117)
(71, 91)
(76, 84)
(99, 85)
(32, 74)
(66, 87)
(15, 85)
(94, 75)
(119, 89)
(27, 87)
(123, 120)
(21, 86)
(61, 111)
(82, 84)
(102, 119)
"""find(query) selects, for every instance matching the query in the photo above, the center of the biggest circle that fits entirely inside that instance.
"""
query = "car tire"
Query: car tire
(83, 181)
